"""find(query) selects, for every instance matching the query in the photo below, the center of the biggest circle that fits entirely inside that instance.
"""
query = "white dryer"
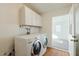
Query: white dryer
(29, 45)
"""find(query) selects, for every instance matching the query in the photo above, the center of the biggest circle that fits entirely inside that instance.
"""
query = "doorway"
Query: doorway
(60, 32)
(65, 31)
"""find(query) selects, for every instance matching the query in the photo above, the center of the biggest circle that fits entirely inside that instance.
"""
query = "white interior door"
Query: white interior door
(77, 27)
(72, 33)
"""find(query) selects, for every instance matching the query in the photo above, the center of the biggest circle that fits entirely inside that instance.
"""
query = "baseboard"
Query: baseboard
(59, 49)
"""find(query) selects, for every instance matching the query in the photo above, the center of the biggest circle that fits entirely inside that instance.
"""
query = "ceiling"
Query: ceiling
(48, 7)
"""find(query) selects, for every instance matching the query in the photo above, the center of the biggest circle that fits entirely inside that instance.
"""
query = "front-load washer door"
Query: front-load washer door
(36, 48)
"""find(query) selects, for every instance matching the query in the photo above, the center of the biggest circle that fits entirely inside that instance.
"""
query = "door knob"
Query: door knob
(74, 40)
(74, 36)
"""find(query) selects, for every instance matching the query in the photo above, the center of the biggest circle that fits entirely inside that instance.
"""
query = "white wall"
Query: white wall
(9, 25)
(47, 22)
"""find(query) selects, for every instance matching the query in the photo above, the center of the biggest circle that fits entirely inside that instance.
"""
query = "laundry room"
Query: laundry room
(38, 29)
(13, 25)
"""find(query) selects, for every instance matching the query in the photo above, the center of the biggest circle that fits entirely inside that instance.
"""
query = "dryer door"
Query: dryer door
(45, 42)
(36, 48)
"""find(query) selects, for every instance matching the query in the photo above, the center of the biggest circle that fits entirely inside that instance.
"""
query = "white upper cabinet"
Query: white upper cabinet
(29, 17)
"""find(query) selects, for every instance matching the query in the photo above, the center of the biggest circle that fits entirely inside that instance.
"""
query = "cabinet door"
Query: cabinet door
(28, 16)
(22, 16)
(34, 19)
(38, 20)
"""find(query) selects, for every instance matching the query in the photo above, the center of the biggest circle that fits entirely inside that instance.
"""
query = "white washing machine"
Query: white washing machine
(30, 45)
(44, 40)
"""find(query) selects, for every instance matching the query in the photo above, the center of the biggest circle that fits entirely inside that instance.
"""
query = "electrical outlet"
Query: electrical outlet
(5, 54)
